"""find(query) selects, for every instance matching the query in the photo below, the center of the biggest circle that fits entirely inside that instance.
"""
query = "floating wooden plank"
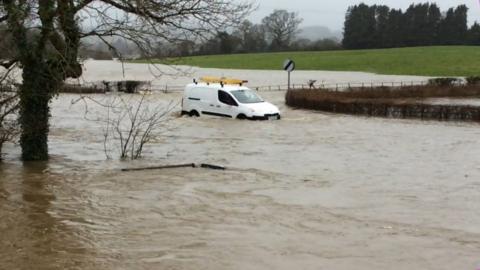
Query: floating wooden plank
(189, 165)
(213, 167)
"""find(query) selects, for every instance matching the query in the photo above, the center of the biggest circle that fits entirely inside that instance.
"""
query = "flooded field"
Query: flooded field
(178, 76)
(312, 191)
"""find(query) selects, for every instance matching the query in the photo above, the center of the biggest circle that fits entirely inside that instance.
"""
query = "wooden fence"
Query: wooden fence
(113, 86)
(284, 87)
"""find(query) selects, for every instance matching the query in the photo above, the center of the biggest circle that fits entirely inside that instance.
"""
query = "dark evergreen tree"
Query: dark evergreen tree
(454, 28)
(360, 25)
(395, 29)
(381, 29)
(420, 25)
(348, 41)
(433, 24)
(417, 24)
(474, 35)
(447, 29)
(461, 24)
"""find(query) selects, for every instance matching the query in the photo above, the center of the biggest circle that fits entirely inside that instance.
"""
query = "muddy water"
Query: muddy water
(312, 191)
(177, 76)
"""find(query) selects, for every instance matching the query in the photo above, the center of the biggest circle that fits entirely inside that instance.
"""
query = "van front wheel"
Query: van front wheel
(242, 116)
(194, 114)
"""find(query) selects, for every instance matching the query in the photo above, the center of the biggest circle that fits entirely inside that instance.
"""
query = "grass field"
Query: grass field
(426, 61)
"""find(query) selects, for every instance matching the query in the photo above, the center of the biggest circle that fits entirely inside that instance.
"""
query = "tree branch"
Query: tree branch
(8, 64)
(82, 5)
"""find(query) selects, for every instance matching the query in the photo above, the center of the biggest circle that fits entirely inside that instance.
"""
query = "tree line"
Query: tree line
(379, 26)
(277, 32)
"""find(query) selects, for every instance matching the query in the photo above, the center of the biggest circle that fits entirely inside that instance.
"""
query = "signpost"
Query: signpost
(289, 66)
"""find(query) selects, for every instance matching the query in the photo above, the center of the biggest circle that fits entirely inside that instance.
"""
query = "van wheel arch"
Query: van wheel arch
(194, 113)
(241, 116)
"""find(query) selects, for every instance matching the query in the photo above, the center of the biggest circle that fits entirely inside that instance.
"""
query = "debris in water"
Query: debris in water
(188, 165)
(191, 165)
(213, 167)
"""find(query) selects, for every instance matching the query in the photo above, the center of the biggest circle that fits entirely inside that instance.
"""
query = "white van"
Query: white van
(226, 100)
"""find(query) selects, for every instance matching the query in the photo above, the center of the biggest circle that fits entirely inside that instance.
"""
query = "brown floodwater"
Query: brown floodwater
(312, 191)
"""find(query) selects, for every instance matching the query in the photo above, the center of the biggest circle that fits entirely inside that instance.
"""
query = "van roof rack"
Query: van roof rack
(222, 80)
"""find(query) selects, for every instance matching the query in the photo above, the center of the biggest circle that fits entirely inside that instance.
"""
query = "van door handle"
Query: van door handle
(218, 106)
(211, 105)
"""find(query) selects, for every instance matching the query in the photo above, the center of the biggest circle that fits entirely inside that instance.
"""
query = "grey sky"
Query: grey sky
(331, 13)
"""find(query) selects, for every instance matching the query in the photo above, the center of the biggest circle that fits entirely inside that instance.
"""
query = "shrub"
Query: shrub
(444, 81)
(473, 80)
(129, 86)
(395, 102)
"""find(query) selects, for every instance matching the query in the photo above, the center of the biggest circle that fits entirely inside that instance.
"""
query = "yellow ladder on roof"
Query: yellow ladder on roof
(223, 80)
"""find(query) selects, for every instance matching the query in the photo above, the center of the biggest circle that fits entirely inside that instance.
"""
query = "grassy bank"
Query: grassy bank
(406, 102)
(424, 61)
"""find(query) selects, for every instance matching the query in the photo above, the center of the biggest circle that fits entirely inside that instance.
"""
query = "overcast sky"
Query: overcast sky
(331, 13)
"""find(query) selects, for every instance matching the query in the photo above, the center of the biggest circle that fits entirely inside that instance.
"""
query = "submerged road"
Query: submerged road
(312, 191)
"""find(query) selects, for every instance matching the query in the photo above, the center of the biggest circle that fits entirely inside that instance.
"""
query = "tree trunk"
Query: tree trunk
(35, 95)
(1, 147)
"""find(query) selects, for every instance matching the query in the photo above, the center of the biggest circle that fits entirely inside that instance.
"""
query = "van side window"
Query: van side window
(226, 98)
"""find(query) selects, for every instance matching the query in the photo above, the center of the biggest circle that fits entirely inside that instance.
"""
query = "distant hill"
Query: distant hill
(319, 32)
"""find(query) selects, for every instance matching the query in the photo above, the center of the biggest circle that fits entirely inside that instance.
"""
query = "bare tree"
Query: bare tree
(47, 36)
(281, 27)
(252, 37)
(8, 106)
(129, 122)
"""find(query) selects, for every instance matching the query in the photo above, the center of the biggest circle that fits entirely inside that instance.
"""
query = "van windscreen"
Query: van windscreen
(246, 96)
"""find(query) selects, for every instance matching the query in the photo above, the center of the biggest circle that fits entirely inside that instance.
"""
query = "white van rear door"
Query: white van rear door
(222, 105)
(207, 96)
